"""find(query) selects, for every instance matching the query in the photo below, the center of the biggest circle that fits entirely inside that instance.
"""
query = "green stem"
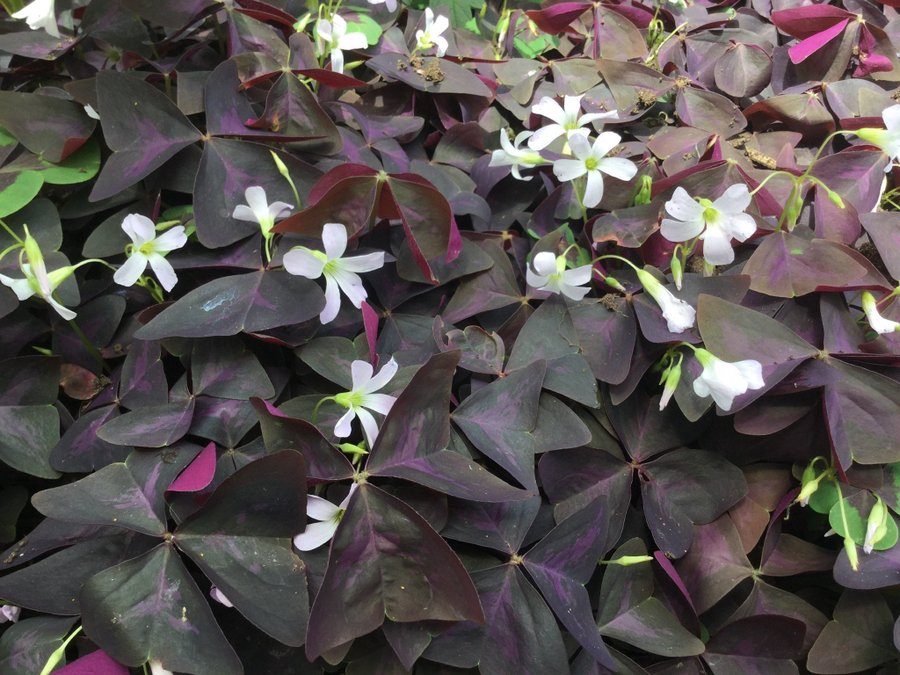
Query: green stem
(770, 177)
(315, 414)
(9, 231)
(90, 346)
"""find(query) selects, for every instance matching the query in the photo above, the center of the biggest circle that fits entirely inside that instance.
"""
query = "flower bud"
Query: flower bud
(876, 525)
(677, 271)
(670, 379)
(852, 555)
(835, 198)
(628, 560)
(809, 484)
(282, 169)
(793, 207)
(613, 283)
(644, 190)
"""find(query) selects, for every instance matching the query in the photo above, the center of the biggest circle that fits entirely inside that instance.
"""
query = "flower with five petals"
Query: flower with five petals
(550, 275)
(431, 35)
(512, 155)
(340, 273)
(333, 37)
(716, 222)
(38, 281)
(258, 210)
(146, 248)
(362, 397)
(593, 162)
(566, 120)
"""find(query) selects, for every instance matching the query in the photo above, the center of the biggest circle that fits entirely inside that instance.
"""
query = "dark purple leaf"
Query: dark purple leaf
(629, 612)
(758, 645)
(502, 526)
(151, 608)
(550, 335)
(246, 302)
(412, 442)
(575, 478)
(882, 229)
(142, 126)
(324, 462)
(428, 74)
(52, 584)
(198, 474)
(244, 528)
(143, 379)
(645, 430)
(743, 70)
(859, 637)
(499, 420)
(29, 434)
(225, 368)
(386, 555)
(714, 564)
(81, 450)
(125, 494)
(224, 421)
(228, 167)
(607, 337)
(29, 380)
(684, 488)
(512, 608)
(50, 127)
(155, 426)
(168, 13)
(709, 111)
(27, 645)
(563, 561)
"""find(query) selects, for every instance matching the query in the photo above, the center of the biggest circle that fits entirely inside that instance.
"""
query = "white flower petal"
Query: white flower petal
(244, 212)
(140, 229)
(441, 45)
(676, 230)
(735, 199)
(369, 425)
(441, 23)
(385, 375)
(324, 30)
(360, 374)
(279, 210)
(891, 117)
(549, 108)
(354, 40)
(604, 143)
(337, 60)
(301, 262)
(170, 240)
(351, 285)
(315, 535)
(573, 292)
(334, 238)
(741, 226)
(320, 509)
(259, 205)
(717, 246)
(536, 281)
(545, 136)
(571, 108)
(380, 403)
(578, 276)
(64, 312)
(618, 167)
(21, 287)
(164, 271)
(219, 597)
(682, 207)
(751, 371)
(544, 263)
(580, 146)
(569, 169)
(368, 262)
(344, 427)
(131, 270)
(593, 191)
(332, 301)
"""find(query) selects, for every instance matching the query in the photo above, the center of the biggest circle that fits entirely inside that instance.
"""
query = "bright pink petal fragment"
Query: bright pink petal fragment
(806, 48)
(198, 474)
(370, 324)
(95, 663)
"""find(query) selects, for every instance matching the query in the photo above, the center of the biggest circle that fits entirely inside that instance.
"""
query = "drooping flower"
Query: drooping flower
(362, 397)
(879, 324)
(679, 315)
(9, 613)
(716, 222)
(723, 380)
(888, 139)
(566, 120)
(431, 36)
(39, 14)
(512, 155)
(37, 280)
(328, 515)
(259, 211)
(391, 5)
(333, 37)
(593, 162)
(670, 379)
(340, 273)
(550, 275)
(148, 249)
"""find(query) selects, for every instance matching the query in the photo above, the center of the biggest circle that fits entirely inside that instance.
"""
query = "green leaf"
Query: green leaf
(366, 25)
(6, 138)
(16, 191)
(857, 508)
(78, 167)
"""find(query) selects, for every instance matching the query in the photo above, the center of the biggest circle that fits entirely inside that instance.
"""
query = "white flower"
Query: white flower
(887, 139)
(592, 160)
(333, 36)
(9, 613)
(679, 315)
(431, 36)
(566, 120)
(391, 5)
(37, 280)
(879, 324)
(512, 155)
(550, 275)
(146, 248)
(39, 14)
(328, 515)
(219, 597)
(156, 668)
(362, 397)
(90, 112)
(340, 273)
(259, 210)
(723, 380)
(719, 221)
